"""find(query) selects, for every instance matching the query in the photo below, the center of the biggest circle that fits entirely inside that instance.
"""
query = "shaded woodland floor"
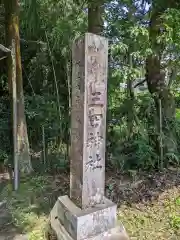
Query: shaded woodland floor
(149, 204)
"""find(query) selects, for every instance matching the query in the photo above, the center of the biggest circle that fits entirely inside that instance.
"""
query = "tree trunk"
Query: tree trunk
(157, 86)
(14, 94)
(131, 99)
(12, 32)
(95, 20)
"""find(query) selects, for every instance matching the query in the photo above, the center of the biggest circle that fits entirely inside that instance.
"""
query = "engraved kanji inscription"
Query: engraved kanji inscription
(95, 116)
(94, 140)
(97, 93)
(94, 162)
(88, 120)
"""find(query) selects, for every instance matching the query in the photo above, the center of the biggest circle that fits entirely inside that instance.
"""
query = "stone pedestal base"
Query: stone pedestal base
(69, 222)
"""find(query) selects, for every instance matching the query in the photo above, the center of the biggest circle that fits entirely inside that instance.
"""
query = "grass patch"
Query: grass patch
(159, 219)
(29, 206)
(155, 219)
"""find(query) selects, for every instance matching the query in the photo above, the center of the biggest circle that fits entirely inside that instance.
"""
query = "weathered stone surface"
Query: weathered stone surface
(85, 223)
(88, 120)
(71, 223)
(87, 214)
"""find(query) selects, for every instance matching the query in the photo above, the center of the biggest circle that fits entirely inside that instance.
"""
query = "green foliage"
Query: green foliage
(48, 28)
(132, 150)
(175, 218)
(26, 205)
(177, 201)
(175, 222)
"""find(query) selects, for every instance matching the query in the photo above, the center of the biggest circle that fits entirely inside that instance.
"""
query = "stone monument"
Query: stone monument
(87, 213)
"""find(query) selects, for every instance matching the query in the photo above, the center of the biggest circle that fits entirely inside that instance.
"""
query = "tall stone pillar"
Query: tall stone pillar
(86, 213)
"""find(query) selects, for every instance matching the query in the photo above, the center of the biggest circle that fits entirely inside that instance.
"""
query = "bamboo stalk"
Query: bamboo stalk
(160, 135)
(44, 146)
(55, 78)
(56, 85)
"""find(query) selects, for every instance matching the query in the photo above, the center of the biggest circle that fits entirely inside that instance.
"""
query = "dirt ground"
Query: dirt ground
(146, 203)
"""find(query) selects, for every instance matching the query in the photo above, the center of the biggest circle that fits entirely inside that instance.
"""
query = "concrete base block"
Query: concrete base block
(69, 222)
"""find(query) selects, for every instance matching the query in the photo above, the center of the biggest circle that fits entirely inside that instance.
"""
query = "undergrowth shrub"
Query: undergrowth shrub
(131, 141)
(136, 147)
